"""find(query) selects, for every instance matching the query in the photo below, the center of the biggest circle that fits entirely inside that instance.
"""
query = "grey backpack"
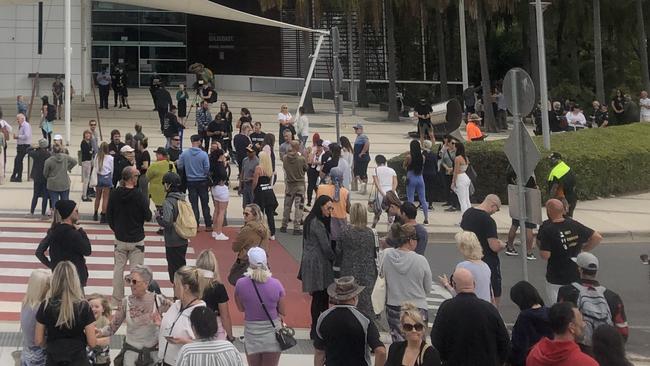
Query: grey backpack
(594, 309)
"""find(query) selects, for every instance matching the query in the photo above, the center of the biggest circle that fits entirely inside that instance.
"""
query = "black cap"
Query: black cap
(195, 138)
(65, 208)
(556, 156)
(162, 151)
(172, 179)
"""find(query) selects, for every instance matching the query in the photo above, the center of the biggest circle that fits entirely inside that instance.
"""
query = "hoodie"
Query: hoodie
(295, 167)
(558, 353)
(66, 243)
(408, 277)
(196, 164)
(56, 170)
(127, 211)
(168, 217)
(530, 327)
(252, 234)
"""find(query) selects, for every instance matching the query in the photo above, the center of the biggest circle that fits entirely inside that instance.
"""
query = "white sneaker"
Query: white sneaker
(214, 234)
(272, 237)
(221, 236)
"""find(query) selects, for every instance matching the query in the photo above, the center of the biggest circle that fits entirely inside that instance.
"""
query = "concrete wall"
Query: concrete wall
(19, 46)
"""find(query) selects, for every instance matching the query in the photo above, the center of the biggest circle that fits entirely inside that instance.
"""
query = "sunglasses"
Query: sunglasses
(246, 214)
(410, 327)
(176, 139)
(93, 125)
(131, 281)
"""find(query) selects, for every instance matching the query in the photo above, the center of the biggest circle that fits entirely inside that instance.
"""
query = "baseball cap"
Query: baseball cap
(357, 126)
(57, 137)
(555, 155)
(249, 148)
(126, 148)
(586, 260)
(162, 151)
(257, 256)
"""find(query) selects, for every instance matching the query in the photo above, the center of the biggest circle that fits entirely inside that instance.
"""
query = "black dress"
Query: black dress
(429, 357)
(264, 195)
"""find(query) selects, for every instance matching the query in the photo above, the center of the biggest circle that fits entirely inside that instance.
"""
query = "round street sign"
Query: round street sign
(519, 92)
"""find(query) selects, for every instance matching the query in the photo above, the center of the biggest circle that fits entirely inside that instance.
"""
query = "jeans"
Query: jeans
(86, 169)
(56, 196)
(312, 179)
(199, 191)
(21, 151)
(248, 196)
(40, 190)
(131, 252)
(416, 183)
(175, 259)
(104, 90)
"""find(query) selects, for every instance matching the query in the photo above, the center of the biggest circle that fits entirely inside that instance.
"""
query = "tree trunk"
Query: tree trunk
(643, 44)
(574, 62)
(598, 54)
(490, 123)
(534, 55)
(442, 57)
(393, 113)
(362, 92)
(306, 51)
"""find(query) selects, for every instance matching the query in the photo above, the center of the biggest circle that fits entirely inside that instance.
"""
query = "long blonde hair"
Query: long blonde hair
(189, 275)
(265, 163)
(468, 245)
(66, 287)
(37, 287)
(103, 151)
(205, 263)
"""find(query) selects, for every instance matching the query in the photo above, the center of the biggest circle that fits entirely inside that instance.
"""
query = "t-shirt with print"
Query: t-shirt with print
(423, 110)
(340, 333)
(257, 138)
(385, 176)
(645, 102)
(73, 340)
(218, 126)
(270, 291)
(564, 240)
(482, 224)
(214, 295)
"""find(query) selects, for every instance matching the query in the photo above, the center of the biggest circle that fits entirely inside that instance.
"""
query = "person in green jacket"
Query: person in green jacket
(155, 174)
(562, 183)
(56, 171)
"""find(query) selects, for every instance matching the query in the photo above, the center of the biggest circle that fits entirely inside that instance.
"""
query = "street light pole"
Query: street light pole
(463, 43)
(543, 87)
(67, 55)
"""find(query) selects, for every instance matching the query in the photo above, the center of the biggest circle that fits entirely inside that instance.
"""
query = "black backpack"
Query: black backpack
(51, 113)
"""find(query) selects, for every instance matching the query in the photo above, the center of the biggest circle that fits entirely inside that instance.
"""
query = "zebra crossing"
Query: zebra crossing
(436, 297)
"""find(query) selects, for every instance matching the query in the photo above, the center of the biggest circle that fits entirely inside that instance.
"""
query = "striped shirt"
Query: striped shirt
(209, 353)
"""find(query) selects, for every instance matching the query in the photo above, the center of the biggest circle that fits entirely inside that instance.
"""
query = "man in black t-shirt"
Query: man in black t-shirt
(559, 240)
(257, 137)
(174, 149)
(171, 126)
(479, 221)
(217, 130)
(423, 113)
(344, 335)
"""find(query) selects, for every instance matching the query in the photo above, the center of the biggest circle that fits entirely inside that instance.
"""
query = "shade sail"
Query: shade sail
(204, 8)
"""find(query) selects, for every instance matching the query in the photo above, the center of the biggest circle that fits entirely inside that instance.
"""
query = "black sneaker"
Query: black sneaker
(102, 219)
(451, 209)
(531, 257)
(95, 217)
(297, 232)
(511, 251)
(160, 231)
(86, 199)
(283, 229)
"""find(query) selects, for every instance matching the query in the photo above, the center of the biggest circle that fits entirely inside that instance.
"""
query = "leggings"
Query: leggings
(312, 179)
(270, 219)
(319, 303)
(462, 190)
(416, 183)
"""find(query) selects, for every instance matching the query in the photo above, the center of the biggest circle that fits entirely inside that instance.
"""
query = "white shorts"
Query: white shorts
(220, 193)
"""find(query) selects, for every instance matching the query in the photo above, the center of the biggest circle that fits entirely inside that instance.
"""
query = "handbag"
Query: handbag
(237, 270)
(285, 335)
(471, 173)
(93, 178)
(378, 296)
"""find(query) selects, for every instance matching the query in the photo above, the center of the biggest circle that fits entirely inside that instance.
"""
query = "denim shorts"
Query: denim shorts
(104, 181)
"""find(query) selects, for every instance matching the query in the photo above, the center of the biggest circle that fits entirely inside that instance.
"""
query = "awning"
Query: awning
(204, 8)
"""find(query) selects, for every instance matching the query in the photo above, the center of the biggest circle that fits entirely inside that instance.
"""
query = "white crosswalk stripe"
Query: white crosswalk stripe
(438, 294)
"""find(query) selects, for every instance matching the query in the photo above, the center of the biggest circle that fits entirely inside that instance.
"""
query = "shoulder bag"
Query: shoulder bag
(378, 296)
(284, 335)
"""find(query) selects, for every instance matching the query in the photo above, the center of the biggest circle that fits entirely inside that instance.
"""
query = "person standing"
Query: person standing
(172, 126)
(479, 221)
(155, 175)
(560, 239)
(57, 95)
(618, 107)
(21, 106)
(423, 113)
(253, 234)
(414, 164)
(175, 148)
(469, 98)
(562, 183)
(644, 107)
(219, 190)
(56, 170)
(125, 159)
(532, 322)
(340, 200)
(302, 127)
(430, 172)
(196, 164)
(460, 182)
(23, 142)
(345, 336)
(37, 287)
(87, 154)
(66, 241)
(39, 156)
(447, 159)
(257, 137)
(361, 156)
(181, 102)
(226, 116)
(315, 166)
(502, 109)
(285, 119)
(175, 246)
(105, 165)
(126, 214)
(48, 115)
(203, 119)
(385, 180)
(407, 214)
(104, 83)
(246, 173)
(468, 330)
(123, 89)
(414, 350)
(295, 167)
(262, 185)
(163, 103)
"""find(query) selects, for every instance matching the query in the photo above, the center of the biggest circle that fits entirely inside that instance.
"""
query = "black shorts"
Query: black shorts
(57, 100)
(495, 279)
(528, 225)
(425, 128)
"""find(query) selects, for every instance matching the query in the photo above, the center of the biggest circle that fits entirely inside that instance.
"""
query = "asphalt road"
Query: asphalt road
(621, 271)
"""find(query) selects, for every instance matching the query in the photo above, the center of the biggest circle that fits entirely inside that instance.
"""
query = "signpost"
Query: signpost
(521, 151)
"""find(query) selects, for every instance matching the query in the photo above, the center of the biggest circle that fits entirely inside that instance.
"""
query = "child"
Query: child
(139, 136)
(37, 287)
(101, 308)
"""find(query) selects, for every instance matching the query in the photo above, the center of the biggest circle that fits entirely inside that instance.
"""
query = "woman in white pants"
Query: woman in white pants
(460, 182)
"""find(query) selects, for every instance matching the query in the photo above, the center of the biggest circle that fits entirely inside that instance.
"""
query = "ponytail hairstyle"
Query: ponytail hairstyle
(189, 275)
(403, 233)
(208, 268)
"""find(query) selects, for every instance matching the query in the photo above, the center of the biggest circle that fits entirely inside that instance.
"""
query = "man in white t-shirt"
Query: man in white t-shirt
(644, 106)
(385, 180)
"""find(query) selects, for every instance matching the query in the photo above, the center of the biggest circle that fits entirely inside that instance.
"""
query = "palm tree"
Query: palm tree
(440, 8)
(598, 54)
(643, 44)
(393, 113)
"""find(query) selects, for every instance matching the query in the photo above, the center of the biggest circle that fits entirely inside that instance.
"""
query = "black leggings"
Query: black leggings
(175, 259)
(319, 303)
(312, 178)
(270, 219)
(48, 136)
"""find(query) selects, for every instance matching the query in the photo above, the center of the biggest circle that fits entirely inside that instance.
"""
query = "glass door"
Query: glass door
(127, 57)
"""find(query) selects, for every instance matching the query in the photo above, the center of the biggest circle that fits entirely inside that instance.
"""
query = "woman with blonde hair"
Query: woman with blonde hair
(65, 316)
(263, 188)
(37, 288)
(285, 119)
(356, 253)
(414, 350)
(214, 294)
(469, 246)
(175, 326)
(261, 298)
(253, 234)
(104, 165)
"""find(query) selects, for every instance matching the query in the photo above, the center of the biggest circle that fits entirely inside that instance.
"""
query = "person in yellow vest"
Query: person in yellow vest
(562, 183)
(155, 174)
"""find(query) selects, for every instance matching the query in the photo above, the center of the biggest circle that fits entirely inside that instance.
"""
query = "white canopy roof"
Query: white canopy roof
(204, 8)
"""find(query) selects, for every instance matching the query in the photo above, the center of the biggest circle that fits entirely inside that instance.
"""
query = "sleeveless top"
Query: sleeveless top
(264, 195)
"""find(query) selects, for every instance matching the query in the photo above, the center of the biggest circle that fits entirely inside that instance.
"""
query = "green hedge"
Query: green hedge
(607, 161)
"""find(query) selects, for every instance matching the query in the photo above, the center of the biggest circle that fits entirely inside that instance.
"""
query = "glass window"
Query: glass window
(99, 52)
(168, 80)
(116, 33)
(162, 34)
(162, 17)
(163, 52)
(166, 67)
(98, 5)
(113, 17)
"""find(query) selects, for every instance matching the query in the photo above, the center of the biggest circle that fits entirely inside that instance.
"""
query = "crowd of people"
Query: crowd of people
(351, 273)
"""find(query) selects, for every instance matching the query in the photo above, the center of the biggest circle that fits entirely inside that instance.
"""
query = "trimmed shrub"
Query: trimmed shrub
(607, 161)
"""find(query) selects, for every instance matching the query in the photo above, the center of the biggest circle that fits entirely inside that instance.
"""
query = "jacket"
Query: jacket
(168, 217)
(558, 353)
(127, 211)
(469, 331)
(295, 167)
(66, 243)
(196, 164)
(119, 163)
(39, 156)
(252, 234)
(316, 272)
(56, 169)
(408, 277)
(530, 327)
(155, 174)
(163, 99)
